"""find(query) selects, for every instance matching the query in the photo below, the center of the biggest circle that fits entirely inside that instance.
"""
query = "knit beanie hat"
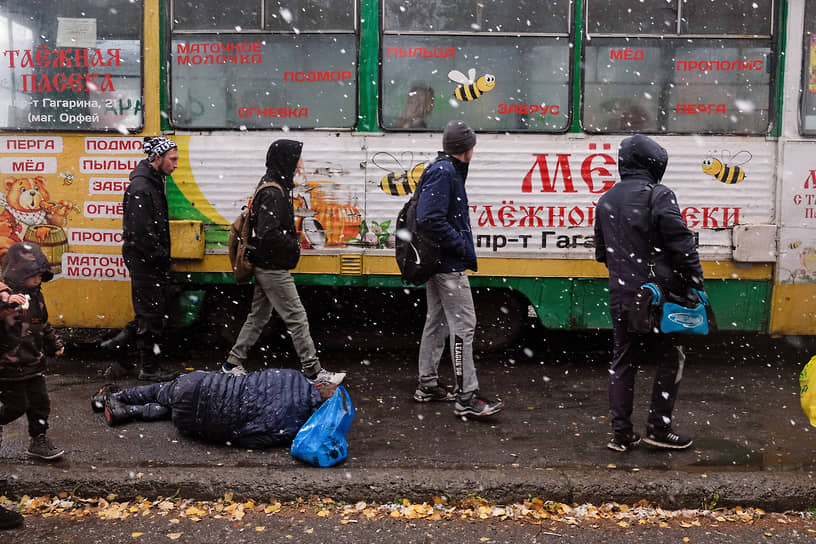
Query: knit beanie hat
(458, 138)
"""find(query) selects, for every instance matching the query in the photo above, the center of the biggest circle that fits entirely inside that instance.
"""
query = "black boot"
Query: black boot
(117, 412)
(121, 369)
(9, 519)
(98, 399)
(151, 370)
(123, 340)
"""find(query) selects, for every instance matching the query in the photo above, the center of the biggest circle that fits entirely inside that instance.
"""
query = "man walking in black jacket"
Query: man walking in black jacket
(277, 250)
(146, 250)
(631, 217)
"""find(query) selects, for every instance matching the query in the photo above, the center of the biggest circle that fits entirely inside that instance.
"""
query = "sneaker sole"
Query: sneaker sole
(430, 398)
(486, 413)
(667, 446)
(617, 447)
(46, 457)
(336, 380)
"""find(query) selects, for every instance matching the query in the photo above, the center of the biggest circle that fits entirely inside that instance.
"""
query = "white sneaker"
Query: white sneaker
(235, 370)
(324, 377)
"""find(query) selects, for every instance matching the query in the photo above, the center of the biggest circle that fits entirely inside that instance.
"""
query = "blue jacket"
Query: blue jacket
(443, 213)
(259, 410)
(624, 227)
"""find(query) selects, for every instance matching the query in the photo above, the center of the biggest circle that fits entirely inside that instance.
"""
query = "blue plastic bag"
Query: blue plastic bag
(322, 439)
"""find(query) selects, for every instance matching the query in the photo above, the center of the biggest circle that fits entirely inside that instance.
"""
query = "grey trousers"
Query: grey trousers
(275, 290)
(451, 314)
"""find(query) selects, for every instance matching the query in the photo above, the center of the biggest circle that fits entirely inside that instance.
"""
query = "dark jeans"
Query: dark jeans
(628, 352)
(29, 397)
(150, 297)
(156, 399)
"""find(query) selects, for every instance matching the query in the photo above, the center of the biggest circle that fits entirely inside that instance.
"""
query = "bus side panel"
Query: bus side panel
(64, 193)
(794, 301)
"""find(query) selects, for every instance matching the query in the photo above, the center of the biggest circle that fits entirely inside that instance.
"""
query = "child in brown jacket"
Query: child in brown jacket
(26, 338)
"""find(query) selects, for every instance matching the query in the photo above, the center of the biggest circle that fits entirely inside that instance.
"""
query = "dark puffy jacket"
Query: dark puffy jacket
(26, 336)
(276, 239)
(145, 224)
(623, 225)
(443, 213)
(259, 410)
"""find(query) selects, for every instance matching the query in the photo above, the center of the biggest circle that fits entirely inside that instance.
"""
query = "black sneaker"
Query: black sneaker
(433, 393)
(667, 439)
(41, 447)
(477, 406)
(9, 519)
(123, 339)
(624, 441)
(117, 412)
(98, 400)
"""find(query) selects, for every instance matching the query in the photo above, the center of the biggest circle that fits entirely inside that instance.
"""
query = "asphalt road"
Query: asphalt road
(739, 398)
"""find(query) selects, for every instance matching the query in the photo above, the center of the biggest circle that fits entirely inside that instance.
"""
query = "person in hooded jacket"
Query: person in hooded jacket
(630, 216)
(255, 410)
(146, 251)
(26, 338)
(444, 216)
(276, 251)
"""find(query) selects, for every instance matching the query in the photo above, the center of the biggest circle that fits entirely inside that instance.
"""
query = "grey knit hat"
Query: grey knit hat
(458, 138)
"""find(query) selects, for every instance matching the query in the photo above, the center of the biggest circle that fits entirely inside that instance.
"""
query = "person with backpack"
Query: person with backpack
(633, 215)
(146, 251)
(275, 249)
(443, 215)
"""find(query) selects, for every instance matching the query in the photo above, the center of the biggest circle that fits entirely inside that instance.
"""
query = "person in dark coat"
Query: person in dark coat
(634, 213)
(444, 216)
(277, 250)
(26, 338)
(146, 251)
(256, 410)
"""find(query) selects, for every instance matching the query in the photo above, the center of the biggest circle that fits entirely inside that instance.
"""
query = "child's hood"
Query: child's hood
(22, 261)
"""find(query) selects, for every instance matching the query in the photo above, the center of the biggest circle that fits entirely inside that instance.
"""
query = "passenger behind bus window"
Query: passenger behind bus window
(418, 106)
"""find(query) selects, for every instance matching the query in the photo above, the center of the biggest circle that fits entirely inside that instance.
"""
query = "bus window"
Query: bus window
(677, 67)
(264, 64)
(498, 65)
(71, 65)
(808, 102)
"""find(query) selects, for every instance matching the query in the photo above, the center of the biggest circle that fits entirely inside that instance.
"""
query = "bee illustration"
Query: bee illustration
(727, 173)
(400, 181)
(795, 244)
(471, 88)
(67, 177)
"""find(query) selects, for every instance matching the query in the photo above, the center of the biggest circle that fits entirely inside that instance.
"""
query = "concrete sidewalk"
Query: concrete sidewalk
(753, 445)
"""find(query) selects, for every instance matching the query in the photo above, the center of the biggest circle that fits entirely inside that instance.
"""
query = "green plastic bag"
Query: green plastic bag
(807, 390)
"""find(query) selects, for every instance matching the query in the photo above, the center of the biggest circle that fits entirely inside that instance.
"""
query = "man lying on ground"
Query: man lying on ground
(258, 410)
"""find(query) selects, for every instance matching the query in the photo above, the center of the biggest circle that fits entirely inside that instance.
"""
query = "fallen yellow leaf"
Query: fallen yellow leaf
(174, 536)
(136, 535)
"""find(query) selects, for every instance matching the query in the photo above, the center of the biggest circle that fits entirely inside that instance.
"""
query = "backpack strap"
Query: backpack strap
(261, 188)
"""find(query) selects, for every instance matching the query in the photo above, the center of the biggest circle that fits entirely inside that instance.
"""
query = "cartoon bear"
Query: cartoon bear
(25, 203)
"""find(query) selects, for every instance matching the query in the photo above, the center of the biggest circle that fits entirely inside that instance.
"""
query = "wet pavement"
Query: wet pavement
(739, 398)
